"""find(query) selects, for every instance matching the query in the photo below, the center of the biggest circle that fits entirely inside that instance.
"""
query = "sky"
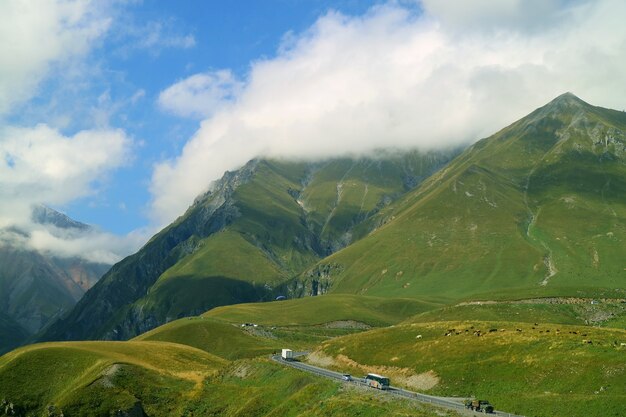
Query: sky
(119, 113)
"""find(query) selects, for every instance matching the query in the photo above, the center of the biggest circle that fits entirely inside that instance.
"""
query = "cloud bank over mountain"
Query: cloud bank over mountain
(42, 165)
(440, 74)
(38, 162)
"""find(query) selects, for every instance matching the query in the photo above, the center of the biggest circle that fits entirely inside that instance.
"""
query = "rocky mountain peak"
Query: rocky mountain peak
(568, 99)
(565, 104)
(44, 215)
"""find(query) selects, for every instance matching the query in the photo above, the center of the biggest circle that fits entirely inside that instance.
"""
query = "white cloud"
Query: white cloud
(34, 35)
(152, 36)
(159, 35)
(91, 245)
(41, 165)
(201, 95)
(47, 44)
(456, 73)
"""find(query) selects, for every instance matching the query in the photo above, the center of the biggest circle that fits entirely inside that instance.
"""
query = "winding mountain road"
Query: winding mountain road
(394, 391)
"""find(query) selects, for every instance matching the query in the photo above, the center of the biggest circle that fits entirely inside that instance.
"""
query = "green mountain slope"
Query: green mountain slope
(240, 242)
(537, 209)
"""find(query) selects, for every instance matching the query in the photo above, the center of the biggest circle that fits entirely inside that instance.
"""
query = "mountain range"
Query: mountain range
(258, 227)
(494, 272)
(537, 209)
(36, 288)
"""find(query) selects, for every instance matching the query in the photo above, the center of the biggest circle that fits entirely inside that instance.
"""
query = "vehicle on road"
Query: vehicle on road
(377, 381)
(346, 377)
(482, 406)
(287, 354)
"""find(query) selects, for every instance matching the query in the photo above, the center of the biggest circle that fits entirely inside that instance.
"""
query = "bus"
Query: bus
(377, 381)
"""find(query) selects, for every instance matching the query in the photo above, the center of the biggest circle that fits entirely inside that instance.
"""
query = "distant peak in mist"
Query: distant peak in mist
(45, 215)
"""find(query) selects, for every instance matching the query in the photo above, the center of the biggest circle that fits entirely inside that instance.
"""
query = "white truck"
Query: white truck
(286, 354)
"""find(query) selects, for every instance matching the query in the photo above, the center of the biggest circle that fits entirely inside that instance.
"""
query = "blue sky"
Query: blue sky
(119, 113)
(225, 35)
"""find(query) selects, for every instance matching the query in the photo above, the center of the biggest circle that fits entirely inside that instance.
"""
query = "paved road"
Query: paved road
(399, 392)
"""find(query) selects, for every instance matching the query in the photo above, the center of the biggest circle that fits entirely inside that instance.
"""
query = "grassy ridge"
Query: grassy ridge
(373, 311)
(523, 313)
(531, 369)
(245, 261)
(298, 324)
(219, 338)
(271, 219)
(582, 312)
(447, 246)
(344, 196)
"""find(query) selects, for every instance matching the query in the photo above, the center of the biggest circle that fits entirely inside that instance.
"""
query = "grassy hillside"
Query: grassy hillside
(271, 390)
(342, 196)
(299, 324)
(222, 339)
(607, 313)
(95, 378)
(289, 216)
(165, 379)
(535, 365)
(162, 378)
(373, 311)
(528, 369)
(203, 280)
(538, 209)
